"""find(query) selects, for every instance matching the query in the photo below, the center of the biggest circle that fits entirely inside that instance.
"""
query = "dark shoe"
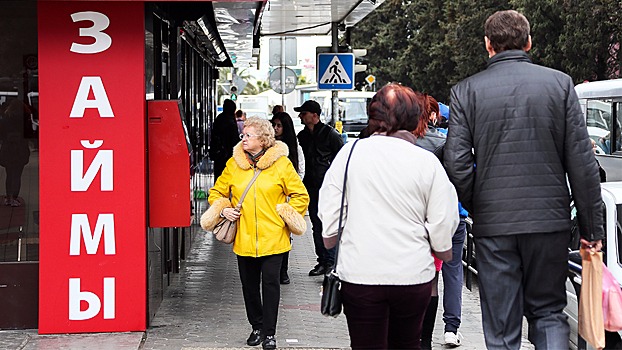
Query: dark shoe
(255, 338)
(285, 279)
(318, 270)
(269, 342)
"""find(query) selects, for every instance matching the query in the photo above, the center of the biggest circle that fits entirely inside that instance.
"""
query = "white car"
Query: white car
(612, 198)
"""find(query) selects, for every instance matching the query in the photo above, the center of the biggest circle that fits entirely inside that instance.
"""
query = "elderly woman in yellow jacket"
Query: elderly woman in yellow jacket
(265, 220)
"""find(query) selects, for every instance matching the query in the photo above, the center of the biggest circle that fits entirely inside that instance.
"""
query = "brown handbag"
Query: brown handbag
(226, 229)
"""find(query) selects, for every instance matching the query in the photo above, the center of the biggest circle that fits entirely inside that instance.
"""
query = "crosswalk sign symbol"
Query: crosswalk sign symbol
(335, 71)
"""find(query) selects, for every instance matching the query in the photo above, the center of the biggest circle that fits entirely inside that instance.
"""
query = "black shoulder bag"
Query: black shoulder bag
(331, 294)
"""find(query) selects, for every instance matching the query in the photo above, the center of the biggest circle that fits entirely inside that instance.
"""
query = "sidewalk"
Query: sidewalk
(203, 309)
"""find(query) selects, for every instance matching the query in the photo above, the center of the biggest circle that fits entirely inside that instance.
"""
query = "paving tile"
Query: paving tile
(203, 309)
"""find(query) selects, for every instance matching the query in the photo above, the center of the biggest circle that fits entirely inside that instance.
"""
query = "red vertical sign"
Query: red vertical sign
(92, 165)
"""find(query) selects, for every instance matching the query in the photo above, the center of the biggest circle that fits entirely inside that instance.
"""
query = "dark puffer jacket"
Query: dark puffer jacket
(516, 130)
(320, 148)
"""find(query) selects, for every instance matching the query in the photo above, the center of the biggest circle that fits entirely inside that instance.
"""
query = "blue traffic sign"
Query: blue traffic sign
(335, 71)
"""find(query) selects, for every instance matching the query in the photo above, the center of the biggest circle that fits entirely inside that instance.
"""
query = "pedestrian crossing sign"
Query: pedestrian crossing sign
(335, 71)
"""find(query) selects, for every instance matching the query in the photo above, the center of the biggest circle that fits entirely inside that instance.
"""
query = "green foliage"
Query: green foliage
(382, 35)
(591, 39)
(430, 45)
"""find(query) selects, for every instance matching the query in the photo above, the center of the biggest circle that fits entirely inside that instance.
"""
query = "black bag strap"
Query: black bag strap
(343, 198)
(239, 205)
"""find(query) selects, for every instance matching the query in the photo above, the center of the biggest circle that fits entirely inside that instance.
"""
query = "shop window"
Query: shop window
(19, 130)
(603, 119)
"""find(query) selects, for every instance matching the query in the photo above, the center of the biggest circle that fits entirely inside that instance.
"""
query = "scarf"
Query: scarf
(404, 135)
(254, 158)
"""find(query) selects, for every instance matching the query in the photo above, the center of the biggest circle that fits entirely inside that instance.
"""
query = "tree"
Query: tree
(251, 87)
(547, 24)
(591, 39)
(382, 33)
(427, 56)
(430, 45)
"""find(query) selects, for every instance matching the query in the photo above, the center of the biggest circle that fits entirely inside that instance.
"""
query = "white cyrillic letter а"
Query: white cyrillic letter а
(100, 100)
(80, 227)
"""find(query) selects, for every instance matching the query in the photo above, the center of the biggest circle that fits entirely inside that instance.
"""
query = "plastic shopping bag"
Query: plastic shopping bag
(612, 302)
(591, 324)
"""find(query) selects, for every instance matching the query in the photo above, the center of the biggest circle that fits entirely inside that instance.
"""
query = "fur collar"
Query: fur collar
(272, 154)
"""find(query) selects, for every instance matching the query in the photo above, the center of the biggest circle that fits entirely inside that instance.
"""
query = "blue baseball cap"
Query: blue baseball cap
(444, 110)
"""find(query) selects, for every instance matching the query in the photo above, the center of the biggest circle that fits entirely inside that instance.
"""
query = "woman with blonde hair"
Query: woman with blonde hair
(264, 221)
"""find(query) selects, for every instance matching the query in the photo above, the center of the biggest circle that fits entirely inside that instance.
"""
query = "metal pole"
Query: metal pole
(283, 71)
(335, 95)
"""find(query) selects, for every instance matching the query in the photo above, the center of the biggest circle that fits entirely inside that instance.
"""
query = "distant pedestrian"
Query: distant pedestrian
(224, 136)
(398, 213)
(430, 140)
(14, 150)
(240, 117)
(430, 137)
(284, 131)
(277, 109)
(524, 125)
(277, 196)
(443, 120)
(320, 144)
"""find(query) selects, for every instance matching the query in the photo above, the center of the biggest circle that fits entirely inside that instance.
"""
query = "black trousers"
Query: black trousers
(14, 179)
(523, 275)
(325, 256)
(262, 308)
(385, 317)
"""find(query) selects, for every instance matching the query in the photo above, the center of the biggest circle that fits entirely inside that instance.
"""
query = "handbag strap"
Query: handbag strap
(343, 197)
(239, 205)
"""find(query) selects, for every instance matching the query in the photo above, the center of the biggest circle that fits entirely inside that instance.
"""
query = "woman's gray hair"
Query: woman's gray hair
(263, 128)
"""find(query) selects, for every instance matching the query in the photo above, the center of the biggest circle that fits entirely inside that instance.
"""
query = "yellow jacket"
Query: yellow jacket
(261, 229)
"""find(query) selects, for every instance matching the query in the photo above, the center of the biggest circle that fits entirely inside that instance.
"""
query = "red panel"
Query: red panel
(116, 195)
(162, 0)
(169, 166)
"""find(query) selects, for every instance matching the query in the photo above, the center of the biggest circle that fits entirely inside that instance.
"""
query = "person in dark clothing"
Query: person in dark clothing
(524, 125)
(225, 136)
(284, 132)
(320, 144)
(14, 151)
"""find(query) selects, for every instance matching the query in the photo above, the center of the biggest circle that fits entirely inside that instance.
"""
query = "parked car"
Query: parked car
(601, 103)
(612, 248)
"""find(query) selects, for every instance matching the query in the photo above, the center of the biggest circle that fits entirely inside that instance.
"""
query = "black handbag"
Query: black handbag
(331, 304)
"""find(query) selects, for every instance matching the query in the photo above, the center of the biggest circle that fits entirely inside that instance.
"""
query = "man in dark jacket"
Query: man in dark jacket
(523, 124)
(320, 144)
(225, 136)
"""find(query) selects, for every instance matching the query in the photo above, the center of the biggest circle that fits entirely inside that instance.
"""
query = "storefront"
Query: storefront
(90, 228)
(78, 252)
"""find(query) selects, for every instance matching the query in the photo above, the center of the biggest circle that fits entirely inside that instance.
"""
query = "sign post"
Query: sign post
(283, 80)
(282, 54)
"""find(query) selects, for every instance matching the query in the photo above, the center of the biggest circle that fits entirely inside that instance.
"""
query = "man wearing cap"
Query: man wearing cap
(320, 144)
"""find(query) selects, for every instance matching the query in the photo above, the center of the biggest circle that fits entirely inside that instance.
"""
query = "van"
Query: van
(601, 103)
(352, 109)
